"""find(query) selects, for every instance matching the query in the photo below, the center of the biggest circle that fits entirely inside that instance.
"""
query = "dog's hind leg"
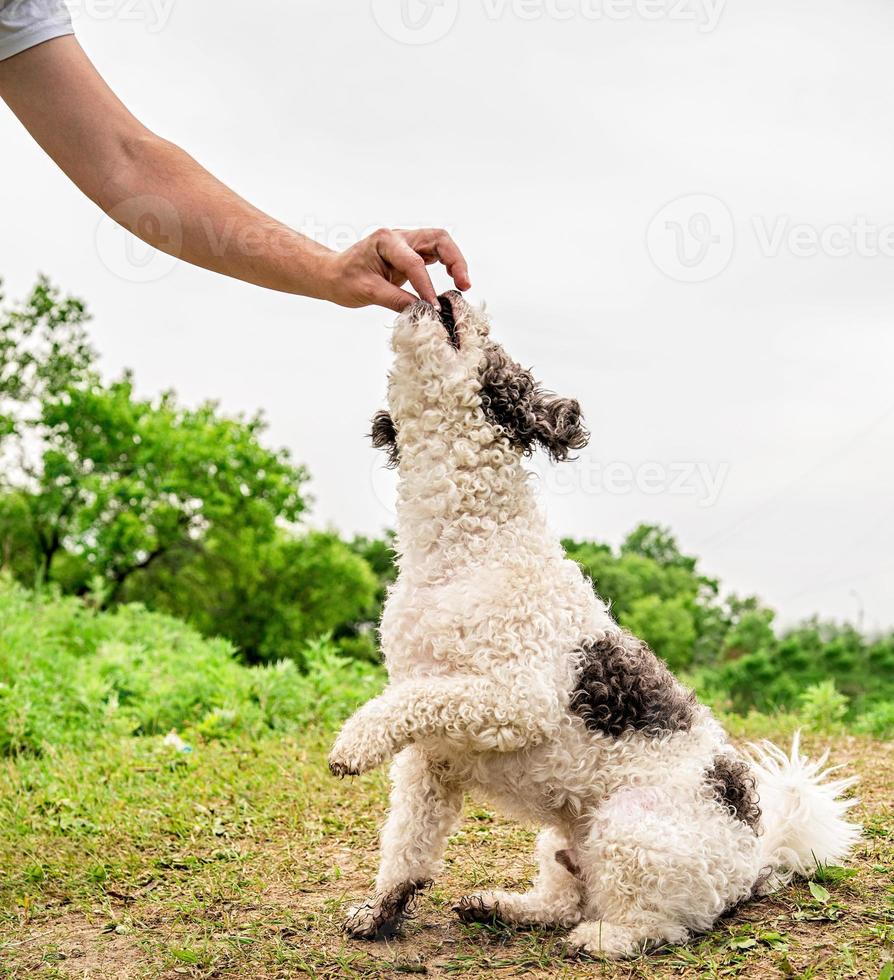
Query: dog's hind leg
(555, 899)
(425, 810)
(657, 866)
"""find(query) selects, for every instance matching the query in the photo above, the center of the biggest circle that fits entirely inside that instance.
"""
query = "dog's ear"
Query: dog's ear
(514, 402)
(559, 428)
(384, 436)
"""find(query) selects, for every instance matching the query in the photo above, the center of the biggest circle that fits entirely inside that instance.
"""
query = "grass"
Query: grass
(131, 860)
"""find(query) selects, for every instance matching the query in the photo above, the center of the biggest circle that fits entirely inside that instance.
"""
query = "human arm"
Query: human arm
(157, 191)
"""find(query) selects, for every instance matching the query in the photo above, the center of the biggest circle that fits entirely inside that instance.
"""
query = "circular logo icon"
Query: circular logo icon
(415, 21)
(127, 256)
(692, 238)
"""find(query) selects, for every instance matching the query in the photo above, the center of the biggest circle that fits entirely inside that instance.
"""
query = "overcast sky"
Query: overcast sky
(678, 211)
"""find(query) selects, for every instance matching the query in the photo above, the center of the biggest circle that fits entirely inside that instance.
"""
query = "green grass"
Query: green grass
(122, 858)
(130, 860)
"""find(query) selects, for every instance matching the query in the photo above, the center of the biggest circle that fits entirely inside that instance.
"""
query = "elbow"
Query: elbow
(136, 169)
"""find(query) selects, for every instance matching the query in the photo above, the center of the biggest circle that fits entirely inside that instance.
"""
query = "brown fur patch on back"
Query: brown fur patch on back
(623, 687)
(735, 789)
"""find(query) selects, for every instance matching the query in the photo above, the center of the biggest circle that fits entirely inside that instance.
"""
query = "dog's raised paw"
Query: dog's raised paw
(341, 769)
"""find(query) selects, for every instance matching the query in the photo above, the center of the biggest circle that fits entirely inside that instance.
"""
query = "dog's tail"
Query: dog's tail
(804, 823)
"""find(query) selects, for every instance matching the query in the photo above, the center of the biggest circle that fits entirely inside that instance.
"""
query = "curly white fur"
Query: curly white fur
(479, 635)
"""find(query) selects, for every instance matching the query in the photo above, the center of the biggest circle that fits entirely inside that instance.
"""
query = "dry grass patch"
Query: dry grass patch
(237, 862)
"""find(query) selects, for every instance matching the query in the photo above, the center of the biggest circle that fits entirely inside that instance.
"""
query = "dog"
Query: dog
(509, 678)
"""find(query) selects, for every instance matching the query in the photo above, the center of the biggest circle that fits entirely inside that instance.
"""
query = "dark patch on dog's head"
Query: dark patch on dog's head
(624, 687)
(384, 436)
(529, 416)
(735, 789)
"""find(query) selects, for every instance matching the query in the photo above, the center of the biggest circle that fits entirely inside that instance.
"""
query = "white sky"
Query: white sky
(547, 144)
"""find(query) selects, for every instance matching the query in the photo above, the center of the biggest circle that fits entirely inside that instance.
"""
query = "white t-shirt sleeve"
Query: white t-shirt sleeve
(24, 23)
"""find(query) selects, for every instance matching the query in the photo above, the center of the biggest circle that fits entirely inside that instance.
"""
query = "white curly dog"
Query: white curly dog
(509, 677)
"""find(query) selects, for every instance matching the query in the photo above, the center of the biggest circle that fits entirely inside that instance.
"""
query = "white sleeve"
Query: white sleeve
(24, 23)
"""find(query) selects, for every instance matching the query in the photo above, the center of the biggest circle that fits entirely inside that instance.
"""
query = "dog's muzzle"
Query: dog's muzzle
(448, 317)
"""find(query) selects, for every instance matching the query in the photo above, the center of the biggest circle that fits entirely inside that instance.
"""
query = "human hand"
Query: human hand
(371, 272)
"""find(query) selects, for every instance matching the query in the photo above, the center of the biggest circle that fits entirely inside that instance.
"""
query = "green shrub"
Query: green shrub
(878, 721)
(775, 677)
(69, 675)
(823, 707)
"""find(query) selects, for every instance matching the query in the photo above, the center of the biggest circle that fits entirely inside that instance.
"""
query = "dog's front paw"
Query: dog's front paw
(358, 749)
(343, 762)
(383, 914)
(342, 769)
(364, 921)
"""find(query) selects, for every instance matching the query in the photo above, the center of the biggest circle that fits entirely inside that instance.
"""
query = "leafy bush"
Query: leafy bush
(775, 676)
(270, 597)
(69, 675)
(878, 721)
(823, 707)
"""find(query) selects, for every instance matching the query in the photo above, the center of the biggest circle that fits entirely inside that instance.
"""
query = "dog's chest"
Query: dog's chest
(479, 620)
(428, 629)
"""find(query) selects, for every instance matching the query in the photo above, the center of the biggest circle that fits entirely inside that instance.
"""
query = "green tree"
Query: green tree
(667, 625)
(655, 591)
(659, 545)
(101, 484)
(269, 596)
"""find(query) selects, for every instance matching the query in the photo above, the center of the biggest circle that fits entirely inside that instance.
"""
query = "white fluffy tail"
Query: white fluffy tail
(803, 815)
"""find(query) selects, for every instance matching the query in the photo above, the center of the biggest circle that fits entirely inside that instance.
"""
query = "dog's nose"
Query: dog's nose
(448, 316)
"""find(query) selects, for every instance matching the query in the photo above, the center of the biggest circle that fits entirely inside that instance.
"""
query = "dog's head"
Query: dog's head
(451, 382)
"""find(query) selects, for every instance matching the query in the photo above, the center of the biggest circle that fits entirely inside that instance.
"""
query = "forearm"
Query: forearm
(158, 192)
